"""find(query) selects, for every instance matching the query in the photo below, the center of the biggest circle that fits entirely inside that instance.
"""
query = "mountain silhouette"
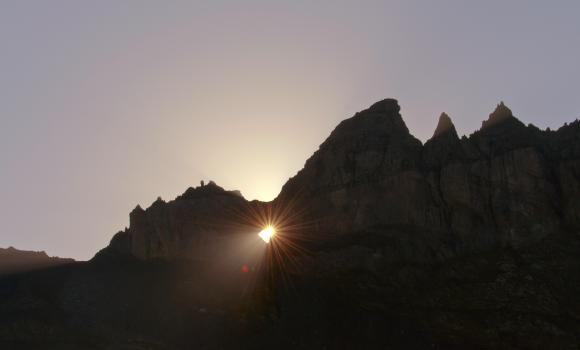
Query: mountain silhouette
(14, 260)
(381, 242)
(500, 187)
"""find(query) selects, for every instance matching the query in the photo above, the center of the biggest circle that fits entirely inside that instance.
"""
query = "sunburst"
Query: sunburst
(267, 233)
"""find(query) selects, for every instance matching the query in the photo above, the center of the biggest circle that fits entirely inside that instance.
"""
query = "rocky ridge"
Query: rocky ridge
(15, 260)
(372, 180)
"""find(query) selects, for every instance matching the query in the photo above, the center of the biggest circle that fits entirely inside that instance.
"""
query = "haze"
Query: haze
(106, 105)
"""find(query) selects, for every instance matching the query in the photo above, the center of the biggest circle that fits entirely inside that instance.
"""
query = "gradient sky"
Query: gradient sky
(107, 104)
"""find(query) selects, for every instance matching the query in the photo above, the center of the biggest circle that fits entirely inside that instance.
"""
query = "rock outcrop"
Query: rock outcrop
(445, 125)
(194, 225)
(501, 114)
(371, 181)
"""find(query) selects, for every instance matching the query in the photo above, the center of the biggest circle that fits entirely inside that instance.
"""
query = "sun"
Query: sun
(267, 233)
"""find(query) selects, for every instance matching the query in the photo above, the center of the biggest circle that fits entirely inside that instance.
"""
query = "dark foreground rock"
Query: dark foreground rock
(343, 298)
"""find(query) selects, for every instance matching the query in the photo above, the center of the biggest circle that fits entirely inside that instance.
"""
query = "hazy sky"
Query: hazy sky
(107, 104)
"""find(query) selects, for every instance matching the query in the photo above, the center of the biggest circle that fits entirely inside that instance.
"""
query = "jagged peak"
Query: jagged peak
(386, 105)
(570, 125)
(213, 184)
(380, 118)
(159, 202)
(498, 116)
(444, 126)
(137, 209)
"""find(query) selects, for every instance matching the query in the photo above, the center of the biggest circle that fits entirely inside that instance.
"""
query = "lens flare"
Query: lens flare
(287, 230)
(267, 233)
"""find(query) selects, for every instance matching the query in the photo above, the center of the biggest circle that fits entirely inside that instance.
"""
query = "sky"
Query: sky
(108, 104)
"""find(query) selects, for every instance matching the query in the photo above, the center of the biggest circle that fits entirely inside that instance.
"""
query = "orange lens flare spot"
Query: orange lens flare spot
(267, 233)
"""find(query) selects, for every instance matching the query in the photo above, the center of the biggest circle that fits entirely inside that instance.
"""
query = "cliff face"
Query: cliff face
(195, 225)
(501, 186)
(505, 185)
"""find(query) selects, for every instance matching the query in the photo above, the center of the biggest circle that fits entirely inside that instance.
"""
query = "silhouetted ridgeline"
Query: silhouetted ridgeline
(507, 184)
(14, 260)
